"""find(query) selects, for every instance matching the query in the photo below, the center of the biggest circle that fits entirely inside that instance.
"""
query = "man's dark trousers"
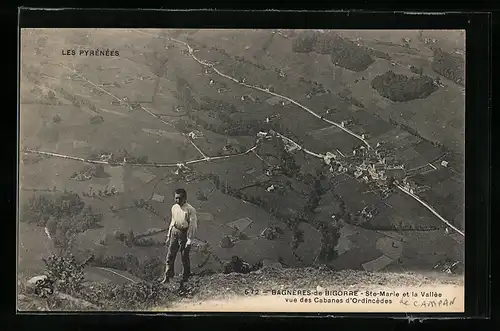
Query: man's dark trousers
(178, 239)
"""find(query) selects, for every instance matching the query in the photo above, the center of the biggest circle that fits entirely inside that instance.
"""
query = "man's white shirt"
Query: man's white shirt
(184, 217)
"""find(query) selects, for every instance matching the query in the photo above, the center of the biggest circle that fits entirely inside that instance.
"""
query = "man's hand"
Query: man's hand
(188, 242)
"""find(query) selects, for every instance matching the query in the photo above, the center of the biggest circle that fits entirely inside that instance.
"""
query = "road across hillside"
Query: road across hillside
(191, 52)
(209, 65)
(155, 164)
(423, 203)
(205, 158)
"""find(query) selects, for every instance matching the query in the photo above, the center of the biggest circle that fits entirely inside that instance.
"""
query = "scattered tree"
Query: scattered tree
(130, 239)
(142, 159)
(416, 70)
(97, 119)
(132, 263)
(201, 196)
(226, 242)
(118, 235)
(56, 119)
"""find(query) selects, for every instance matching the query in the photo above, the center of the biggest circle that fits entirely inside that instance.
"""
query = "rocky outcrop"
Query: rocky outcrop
(236, 264)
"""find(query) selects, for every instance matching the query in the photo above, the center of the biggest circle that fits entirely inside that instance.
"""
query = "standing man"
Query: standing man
(180, 234)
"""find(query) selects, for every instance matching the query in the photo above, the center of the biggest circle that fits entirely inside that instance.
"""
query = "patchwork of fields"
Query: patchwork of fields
(146, 110)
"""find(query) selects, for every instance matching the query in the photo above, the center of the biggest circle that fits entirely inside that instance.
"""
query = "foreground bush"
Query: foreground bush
(149, 269)
(65, 273)
(131, 296)
(69, 290)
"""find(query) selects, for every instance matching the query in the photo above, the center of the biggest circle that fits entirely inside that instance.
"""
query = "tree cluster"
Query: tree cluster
(76, 100)
(401, 88)
(218, 106)
(101, 193)
(449, 66)
(343, 53)
(305, 42)
(91, 171)
(66, 229)
(39, 208)
(64, 216)
(318, 89)
(416, 70)
(97, 119)
(141, 203)
(124, 155)
(56, 119)
(379, 54)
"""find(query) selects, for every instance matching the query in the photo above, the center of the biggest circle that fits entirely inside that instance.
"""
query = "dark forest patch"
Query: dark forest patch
(401, 88)
(343, 52)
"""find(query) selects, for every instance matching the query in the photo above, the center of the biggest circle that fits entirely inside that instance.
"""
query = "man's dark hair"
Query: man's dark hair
(182, 192)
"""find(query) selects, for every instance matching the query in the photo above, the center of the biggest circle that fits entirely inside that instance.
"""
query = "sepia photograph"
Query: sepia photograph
(241, 170)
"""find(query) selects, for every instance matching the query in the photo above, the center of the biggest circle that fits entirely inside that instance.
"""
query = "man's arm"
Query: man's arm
(193, 225)
(171, 225)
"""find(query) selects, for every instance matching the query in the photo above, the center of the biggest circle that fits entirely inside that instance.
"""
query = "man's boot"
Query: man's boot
(165, 279)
